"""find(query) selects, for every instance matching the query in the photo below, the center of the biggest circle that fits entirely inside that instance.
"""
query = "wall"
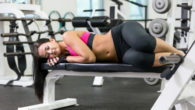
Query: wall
(61, 5)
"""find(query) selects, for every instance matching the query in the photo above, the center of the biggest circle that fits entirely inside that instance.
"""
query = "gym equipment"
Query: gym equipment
(174, 91)
(152, 81)
(183, 5)
(182, 43)
(28, 35)
(61, 24)
(172, 59)
(5, 73)
(171, 21)
(119, 3)
(16, 34)
(77, 69)
(54, 12)
(98, 69)
(94, 20)
(34, 22)
(171, 95)
(179, 89)
(192, 24)
(104, 23)
(161, 6)
(158, 28)
(65, 16)
(175, 60)
(115, 12)
(20, 68)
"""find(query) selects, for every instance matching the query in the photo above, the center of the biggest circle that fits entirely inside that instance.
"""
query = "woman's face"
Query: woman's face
(49, 49)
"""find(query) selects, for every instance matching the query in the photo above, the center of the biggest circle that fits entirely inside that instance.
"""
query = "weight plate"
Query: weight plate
(151, 81)
(161, 6)
(158, 28)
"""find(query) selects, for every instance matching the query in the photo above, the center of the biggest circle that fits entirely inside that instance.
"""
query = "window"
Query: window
(27, 1)
(89, 4)
(137, 12)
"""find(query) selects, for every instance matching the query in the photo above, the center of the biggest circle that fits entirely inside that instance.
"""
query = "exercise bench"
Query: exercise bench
(170, 96)
(78, 69)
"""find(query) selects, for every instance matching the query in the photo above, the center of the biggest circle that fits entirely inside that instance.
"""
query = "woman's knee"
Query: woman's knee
(139, 59)
(132, 57)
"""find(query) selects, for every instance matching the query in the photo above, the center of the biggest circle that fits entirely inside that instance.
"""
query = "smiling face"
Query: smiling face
(49, 49)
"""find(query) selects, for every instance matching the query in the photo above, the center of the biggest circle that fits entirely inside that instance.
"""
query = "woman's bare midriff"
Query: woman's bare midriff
(103, 48)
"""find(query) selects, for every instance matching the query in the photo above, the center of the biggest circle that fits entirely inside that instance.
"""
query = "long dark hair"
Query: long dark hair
(38, 72)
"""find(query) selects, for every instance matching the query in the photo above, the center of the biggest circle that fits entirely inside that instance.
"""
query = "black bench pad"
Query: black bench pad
(101, 67)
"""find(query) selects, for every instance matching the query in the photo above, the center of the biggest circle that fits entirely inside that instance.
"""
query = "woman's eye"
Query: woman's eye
(47, 48)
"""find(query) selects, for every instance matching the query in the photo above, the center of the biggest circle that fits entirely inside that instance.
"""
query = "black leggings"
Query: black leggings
(133, 44)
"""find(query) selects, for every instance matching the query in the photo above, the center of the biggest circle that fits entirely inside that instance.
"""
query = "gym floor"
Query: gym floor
(115, 94)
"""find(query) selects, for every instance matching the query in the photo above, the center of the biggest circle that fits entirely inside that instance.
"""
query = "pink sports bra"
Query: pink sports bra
(87, 38)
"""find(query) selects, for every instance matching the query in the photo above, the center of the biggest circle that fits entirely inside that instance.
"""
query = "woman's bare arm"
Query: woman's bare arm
(85, 55)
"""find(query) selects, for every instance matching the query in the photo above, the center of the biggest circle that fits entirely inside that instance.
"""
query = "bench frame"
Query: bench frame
(49, 101)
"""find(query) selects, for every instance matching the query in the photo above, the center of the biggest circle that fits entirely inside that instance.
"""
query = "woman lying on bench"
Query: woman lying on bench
(126, 43)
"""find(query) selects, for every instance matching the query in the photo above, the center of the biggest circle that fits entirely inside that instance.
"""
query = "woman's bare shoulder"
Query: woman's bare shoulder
(80, 32)
(73, 33)
(70, 36)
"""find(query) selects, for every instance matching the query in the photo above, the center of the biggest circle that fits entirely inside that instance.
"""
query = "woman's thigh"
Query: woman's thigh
(138, 58)
(137, 37)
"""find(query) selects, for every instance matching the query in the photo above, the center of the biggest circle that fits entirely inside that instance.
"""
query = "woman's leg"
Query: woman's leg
(141, 59)
(137, 37)
(138, 58)
(162, 46)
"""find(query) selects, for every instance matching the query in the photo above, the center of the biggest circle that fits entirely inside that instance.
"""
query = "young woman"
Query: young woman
(126, 43)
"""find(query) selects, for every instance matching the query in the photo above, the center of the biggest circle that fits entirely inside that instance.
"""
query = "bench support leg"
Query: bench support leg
(49, 102)
(52, 105)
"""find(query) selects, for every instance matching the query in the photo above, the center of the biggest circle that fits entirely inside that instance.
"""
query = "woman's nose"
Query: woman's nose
(50, 51)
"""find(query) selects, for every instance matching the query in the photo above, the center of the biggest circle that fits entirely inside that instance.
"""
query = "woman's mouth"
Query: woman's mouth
(54, 52)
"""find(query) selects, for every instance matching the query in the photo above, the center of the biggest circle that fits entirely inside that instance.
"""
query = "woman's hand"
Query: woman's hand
(52, 61)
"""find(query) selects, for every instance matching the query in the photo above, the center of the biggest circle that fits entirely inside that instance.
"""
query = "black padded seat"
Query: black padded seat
(101, 67)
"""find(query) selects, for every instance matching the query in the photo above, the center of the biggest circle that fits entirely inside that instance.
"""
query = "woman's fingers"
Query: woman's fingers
(49, 62)
(52, 61)
(57, 58)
